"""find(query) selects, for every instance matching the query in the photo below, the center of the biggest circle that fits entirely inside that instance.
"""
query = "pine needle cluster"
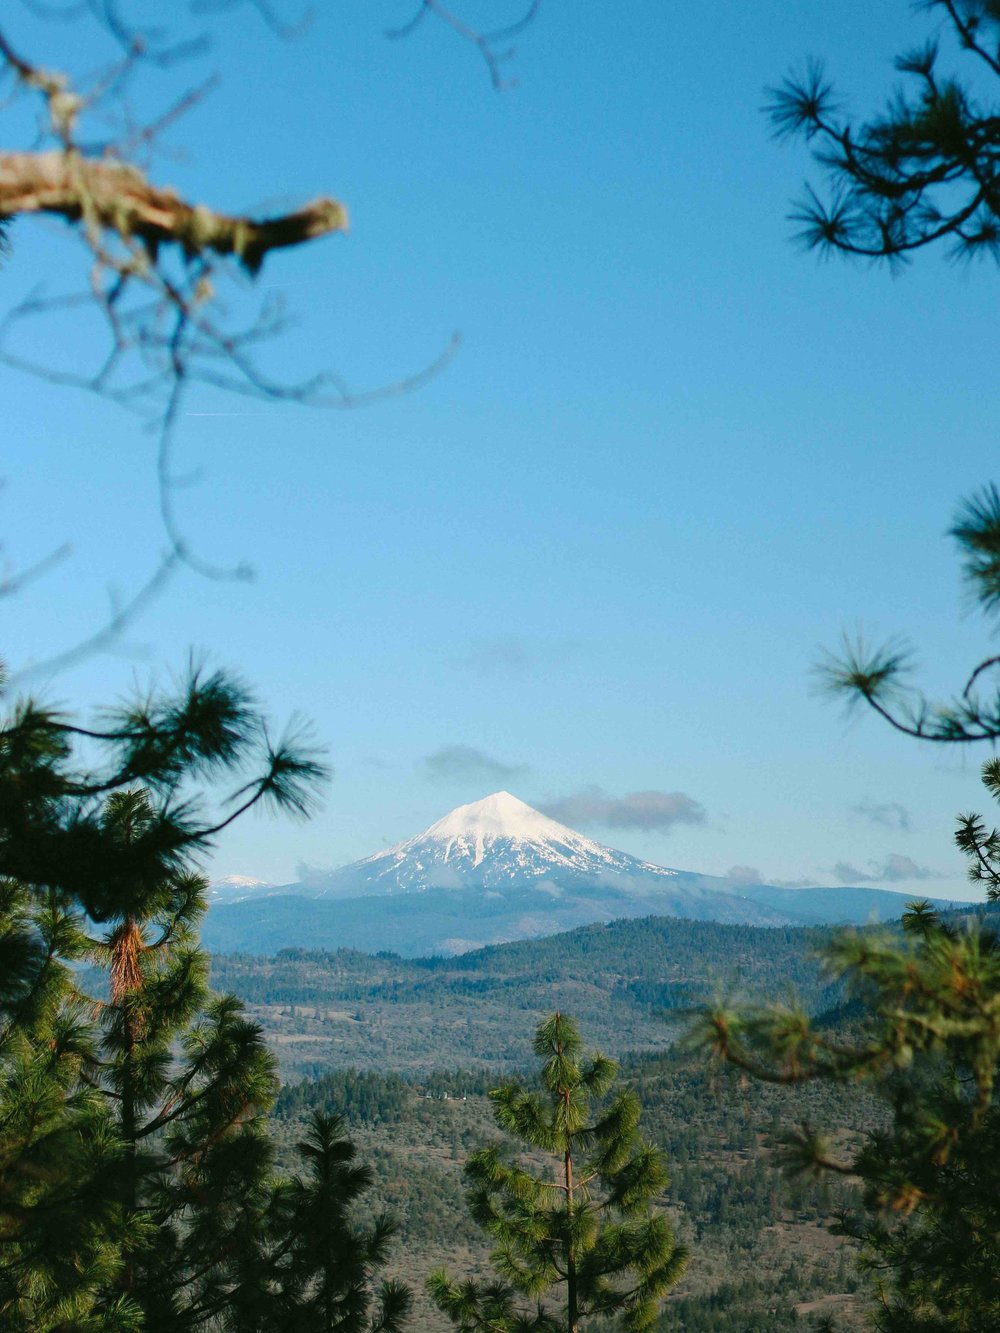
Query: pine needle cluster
(922, 171)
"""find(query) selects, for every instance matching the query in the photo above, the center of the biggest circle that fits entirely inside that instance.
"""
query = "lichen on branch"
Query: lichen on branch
(117, 196)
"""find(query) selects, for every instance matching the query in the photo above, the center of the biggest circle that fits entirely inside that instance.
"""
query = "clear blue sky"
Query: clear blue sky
(673, 458)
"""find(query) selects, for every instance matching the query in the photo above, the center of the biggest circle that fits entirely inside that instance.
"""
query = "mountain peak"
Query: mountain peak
(494, 843)
(500, 815)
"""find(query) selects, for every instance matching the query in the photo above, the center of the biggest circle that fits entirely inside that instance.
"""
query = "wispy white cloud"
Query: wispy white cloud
(653, 811)
(511, 655)
(464, 763)
(744, 875)
(894, 869)
(889, 814)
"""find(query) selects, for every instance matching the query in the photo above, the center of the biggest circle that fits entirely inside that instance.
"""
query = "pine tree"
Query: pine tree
(922, 172)
(326, 1261)
(188, 1081)
(130, 1140)
(137, 1184)
(929, 1227)
(585, 1229)
(61, 1227)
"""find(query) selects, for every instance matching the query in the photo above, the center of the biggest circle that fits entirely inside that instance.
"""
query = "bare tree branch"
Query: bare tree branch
(117, 197)
(156, 260)
(110, 632)
(484, 42)
(14, 582)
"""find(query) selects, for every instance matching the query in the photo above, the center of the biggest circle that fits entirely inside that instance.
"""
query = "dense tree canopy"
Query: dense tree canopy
(137, 1180)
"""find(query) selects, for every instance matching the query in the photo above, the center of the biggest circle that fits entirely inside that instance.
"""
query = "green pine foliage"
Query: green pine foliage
(138, 1190)
(188, 1080)
(355, 1097)
(759, 1243)
(922, 171)
(326, 1261)
(929, 1218)
(62, 1230)
(582, 1237)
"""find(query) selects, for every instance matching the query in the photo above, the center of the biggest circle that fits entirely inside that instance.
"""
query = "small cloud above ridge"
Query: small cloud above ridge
(464, 763)
(502, 655)
(512, 655)
(895, 869)
(746, 875)
(651, 811)
(888, 814)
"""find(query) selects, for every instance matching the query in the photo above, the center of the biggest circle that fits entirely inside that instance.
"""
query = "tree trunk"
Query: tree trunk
(572, 1317)
(126, 978)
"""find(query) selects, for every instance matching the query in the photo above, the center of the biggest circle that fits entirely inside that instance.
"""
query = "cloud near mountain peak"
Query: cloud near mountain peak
(651, 811)
(465, 763)
(895, 869)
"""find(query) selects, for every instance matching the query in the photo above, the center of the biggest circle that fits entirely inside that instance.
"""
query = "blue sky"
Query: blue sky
(673, 458)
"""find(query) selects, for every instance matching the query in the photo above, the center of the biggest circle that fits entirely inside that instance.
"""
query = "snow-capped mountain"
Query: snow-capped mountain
(490, 844)
(498, 870)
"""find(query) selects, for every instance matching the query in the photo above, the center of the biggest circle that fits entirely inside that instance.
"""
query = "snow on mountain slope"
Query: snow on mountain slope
(498, 870)
(489, 844)
(232, 888)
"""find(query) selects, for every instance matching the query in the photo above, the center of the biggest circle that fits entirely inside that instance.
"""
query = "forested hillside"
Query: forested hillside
(760, 1245)
(626, 982)
(407, 1050)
